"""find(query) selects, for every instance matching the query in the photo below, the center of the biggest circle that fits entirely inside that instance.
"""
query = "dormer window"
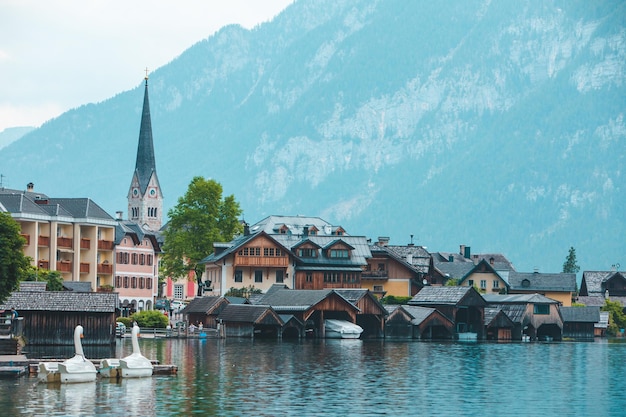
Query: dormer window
(339, 253)
(307, 253)
(525, 283)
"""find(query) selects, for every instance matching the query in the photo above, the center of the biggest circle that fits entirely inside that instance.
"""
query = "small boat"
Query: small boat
(77, 369)
(135, 365)
(341, 329)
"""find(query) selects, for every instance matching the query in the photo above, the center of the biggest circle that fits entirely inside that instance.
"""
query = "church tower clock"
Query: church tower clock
(145, 200)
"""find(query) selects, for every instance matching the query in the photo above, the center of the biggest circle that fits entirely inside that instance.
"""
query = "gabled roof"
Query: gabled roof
(77, 286)
(136, 233)
(358, 254)
(203, 305)
(247, 313)
(413, 257)
(580, 314)
(234, 245)
(453, 295)
(355, 295)
(592, 281)
(480, 266)
(496, 316)
(517, 299)
(454, 270)
(536, 281)
(62, 301)
(298, 300)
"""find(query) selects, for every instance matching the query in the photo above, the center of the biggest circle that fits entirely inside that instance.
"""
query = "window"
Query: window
(126, 282)
(142, 282)
(118, 281)
(309, 277)
(339, 253)
(150, 260)
(134, 259)
(483, 283)
(258, 275)
(470, 282)
(378, 288)
(133, 282)
(238, 275)
(496, 284)
(142, 259)
(307, 253)
(541, 309)
(178, 291)
(279, 276)
(149, 283)
(381, 267)
(331, 277)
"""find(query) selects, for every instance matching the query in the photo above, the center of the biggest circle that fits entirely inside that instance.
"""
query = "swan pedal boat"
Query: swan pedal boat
(134, 365)
(76, 369)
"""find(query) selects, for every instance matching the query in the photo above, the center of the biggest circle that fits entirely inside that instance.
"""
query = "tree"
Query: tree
(200, 218)
(53, 279)
(13, 262)
(570, 266)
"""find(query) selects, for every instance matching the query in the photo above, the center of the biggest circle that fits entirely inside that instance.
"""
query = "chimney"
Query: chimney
(466, 252)
(30, 187)
(118, 215)
(450, 258)
(409, 258)
(383, 241)
(246, 229)
(305, 231)
(492, 261)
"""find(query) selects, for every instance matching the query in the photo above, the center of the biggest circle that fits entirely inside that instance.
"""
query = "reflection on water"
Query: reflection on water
(345, 377)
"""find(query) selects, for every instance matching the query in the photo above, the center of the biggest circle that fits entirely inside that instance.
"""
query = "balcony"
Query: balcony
(64, 242)
(105, 268)
(272, 261)
(84, 268)
(43, 264)
(374, 275)
(105, 244)
(64, 266)
(85, 243)
(43, 241)
(27, 237)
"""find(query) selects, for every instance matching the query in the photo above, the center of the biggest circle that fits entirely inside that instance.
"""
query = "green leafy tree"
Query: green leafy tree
(13, 263)
(617, 318)
(201, 217)
(53, 279)
(570, 266)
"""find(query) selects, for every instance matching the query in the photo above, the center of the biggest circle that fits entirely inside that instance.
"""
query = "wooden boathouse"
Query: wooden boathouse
(50, 317)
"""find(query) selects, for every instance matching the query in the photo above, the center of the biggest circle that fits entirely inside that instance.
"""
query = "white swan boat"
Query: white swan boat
(48, 372)
(135, 365)
(341, 329)
(77, 369)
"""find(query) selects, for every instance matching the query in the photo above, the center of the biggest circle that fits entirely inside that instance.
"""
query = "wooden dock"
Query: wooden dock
(18, 365)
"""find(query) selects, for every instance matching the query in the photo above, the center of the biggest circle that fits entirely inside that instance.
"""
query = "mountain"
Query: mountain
(11, 134)
(498, 125)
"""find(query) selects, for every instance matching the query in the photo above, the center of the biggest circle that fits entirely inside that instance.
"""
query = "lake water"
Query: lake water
(235, 377)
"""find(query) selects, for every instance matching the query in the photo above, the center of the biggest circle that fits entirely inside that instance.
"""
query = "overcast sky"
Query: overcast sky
(56, 55)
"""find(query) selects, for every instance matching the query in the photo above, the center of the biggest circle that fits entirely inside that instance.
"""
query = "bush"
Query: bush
(126, 321)
(150, 319)
(391, 299)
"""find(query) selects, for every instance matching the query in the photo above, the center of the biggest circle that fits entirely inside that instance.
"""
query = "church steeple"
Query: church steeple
(145, 200)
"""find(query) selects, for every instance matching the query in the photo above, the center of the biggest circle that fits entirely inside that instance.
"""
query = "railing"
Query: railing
(178, 331)
(374, 274)
(105, 244)
(44, 264)
(27, 237)
(279, 261)
(105, 268)
(64, 266)
(84, 268)
(43, 240)
(85, 243)
(64, 242)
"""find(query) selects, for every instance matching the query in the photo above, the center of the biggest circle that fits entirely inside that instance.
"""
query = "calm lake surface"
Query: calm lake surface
(344, 378)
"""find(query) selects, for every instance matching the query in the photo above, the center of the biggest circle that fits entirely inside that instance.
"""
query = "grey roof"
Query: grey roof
(77, 286)
(33, 285)
(137, 233)
(536, 281)
(357, 258)
(297, 300)
(82, 208)
(440, 295)
(202, 305)
(515, 312)
(414, 257)
(591, 300)
(295, 225)
(455, 270)
(418, 314)
(62, 301)
(145, 164)
(500, 261)
(593, 281)
(498, 299)
(580, 314)
(246, 313)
